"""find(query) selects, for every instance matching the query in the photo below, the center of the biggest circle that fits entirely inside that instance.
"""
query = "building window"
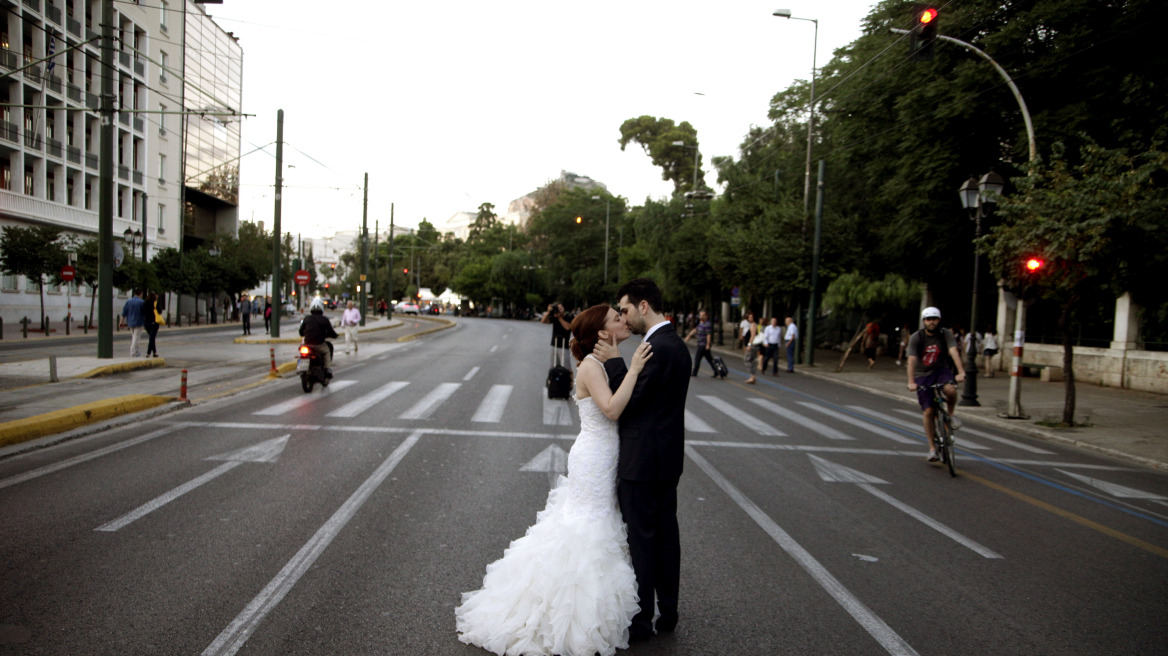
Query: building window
(6, 174)
(88, 195)
(163, 59)
(162, 12)
(161, 169)
(7, 282)
(51, 186)
(162, 120)
(160, 219)
(69, 190)
(29, 187)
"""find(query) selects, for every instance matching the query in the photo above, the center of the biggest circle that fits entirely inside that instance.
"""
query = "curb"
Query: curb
(122, 367)
(296, 340)
(446, 323)
(58, 421)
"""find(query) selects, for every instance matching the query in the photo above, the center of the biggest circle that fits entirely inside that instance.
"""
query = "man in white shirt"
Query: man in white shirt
(791, 336)
(349, 322)
(743, 331)
(772, 335)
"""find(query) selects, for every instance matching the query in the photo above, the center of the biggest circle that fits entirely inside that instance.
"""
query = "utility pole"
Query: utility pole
(373, 278)
(105, 202)
(809, 335)
(276, 259)
(389, 294)
(363, 294)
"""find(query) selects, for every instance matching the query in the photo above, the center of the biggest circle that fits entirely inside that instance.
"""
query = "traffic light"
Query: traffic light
(579, 219)
(924, 31)
(326, 285)
(405, 269)
(1034, 265)
(333, 265)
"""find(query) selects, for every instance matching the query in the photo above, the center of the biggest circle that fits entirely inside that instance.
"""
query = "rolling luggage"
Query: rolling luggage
(559, 378)
(720, 367)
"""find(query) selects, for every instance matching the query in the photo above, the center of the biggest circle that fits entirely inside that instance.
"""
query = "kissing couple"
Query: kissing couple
(600, 567)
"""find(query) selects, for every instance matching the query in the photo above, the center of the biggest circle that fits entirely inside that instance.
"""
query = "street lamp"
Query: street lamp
(607, 207)
(133, 238)
(786, 13)
(975, 194)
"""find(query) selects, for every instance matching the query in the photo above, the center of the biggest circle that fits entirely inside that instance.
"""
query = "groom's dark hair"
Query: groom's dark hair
(642, 289)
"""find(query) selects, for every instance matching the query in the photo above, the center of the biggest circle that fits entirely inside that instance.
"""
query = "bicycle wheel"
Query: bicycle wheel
(945, 442)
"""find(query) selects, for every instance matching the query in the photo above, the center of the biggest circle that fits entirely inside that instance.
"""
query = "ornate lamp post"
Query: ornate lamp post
(976, 194)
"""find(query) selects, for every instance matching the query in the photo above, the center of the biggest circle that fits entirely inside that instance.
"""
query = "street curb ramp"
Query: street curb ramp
(50, 423)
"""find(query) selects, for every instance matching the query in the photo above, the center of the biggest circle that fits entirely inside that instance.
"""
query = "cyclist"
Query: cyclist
(932, 358)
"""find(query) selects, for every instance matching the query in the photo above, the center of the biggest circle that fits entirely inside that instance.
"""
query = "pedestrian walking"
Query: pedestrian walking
(245, 313)
(905, 335)
(754, 343)
(790, 337)
(772, 335)
(268, 315)
(989, 350)
(150, 321)
(132, 317)
(704, 330)
(871, 341)
(349, 322)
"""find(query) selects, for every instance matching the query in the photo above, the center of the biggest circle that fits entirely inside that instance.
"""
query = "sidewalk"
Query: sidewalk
(1124, 424)
(34, 408)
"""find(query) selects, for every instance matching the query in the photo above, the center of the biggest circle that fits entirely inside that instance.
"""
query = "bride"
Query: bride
(567, 586)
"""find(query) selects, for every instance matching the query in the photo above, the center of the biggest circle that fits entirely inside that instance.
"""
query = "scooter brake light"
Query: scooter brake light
(305, 351)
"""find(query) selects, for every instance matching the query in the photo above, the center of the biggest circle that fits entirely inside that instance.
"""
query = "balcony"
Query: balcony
(54, 84)
(33, 141)
(124, 59)
(123, 172)
(9, 59)
(35, 5)
(54, 148)
(73, 92)
(73, 25)
(139, 125)
(138, 178)
(41, 210)
(91, 161)
(53, 13)
(124, 119)
(73, 154)
(139, 68)
(91, 102)
(9, 132)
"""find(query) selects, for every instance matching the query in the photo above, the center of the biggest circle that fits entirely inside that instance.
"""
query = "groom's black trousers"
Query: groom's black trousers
(649, 508)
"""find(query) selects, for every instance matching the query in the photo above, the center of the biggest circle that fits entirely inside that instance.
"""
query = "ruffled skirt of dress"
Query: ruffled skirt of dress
(565, 588)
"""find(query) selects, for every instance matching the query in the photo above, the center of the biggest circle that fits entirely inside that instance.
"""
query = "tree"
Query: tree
(484, 221)
(1098, 223)
(37, 253)
(656, 137)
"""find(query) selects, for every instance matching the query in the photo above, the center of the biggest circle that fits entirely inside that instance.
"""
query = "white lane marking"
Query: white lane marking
(1114, 489)
(473, 371)
(494, 347)
(163, 499)
(848, 419)
(930, 522)
(917, 427)
(966, 430)
(867, 619)
(85, 457)
(493, 405)
(835, 473)
(556, 412)
(694, 423)
(552, 461)
(754, 424)
(422, 409)
(236, 634)
(298, 402)
(266, 451)
(820, 429)
(363, 403)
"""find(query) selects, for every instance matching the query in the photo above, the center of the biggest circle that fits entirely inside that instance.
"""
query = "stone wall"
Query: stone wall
(1146, 371)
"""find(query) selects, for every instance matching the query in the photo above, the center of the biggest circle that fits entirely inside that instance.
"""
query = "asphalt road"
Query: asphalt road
(349, 521)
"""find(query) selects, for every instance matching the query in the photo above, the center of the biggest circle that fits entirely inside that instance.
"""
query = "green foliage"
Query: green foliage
(37, 252)
(852, 292)
(657, 136)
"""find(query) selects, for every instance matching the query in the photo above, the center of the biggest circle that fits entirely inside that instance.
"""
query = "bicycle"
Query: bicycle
(943, 425)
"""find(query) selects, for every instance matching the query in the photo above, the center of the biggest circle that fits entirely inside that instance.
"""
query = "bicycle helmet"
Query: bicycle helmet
(930, 313)
(317, 305)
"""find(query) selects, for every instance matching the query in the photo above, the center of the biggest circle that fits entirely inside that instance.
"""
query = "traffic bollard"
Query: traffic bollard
(24, 326)
(182, 390)
(272, 350)
(85, 324)
(1, 327)
(67, 322)
(53, 369)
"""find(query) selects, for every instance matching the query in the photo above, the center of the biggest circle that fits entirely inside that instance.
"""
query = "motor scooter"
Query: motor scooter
(311, 366)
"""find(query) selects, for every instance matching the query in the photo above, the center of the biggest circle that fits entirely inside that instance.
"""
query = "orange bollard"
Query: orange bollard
(182, 390)
(273, 352)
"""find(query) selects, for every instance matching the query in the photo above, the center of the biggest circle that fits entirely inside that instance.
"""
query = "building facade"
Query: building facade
(50, 128)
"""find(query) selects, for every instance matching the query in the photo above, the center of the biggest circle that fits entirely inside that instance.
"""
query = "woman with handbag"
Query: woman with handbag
(754, 341)
(151, 320)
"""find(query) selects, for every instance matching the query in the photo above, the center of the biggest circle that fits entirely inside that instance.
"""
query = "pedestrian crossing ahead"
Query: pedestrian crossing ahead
(783, 421)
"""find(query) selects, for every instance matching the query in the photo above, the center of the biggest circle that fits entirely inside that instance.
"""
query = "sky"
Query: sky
(447, 105)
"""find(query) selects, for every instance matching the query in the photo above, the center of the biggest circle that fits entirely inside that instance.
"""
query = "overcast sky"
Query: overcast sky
(447, 105)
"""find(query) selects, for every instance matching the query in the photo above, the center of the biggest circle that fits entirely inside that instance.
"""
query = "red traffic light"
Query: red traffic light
(1034, 264)
(405, 270)
(927, 16)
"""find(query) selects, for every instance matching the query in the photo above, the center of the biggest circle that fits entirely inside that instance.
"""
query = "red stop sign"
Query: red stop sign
(68, 273)
(301, 277)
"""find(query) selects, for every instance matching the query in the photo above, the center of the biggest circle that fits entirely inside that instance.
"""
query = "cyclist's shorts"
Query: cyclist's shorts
(924, 394)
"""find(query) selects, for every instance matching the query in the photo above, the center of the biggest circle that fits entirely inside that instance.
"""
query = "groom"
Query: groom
(652, 434)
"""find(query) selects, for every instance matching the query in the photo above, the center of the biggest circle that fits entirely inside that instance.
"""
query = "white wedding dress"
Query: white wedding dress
(567, 586)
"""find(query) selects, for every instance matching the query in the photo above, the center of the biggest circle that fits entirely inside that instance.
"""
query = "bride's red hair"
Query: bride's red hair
(586, 329)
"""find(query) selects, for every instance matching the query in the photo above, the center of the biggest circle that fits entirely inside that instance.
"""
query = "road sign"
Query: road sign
(301, 277)
(68, 273)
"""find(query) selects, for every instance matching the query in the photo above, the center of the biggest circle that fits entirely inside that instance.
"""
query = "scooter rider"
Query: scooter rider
(316, 329)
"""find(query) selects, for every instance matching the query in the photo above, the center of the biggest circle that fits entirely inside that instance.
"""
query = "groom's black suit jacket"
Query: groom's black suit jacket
(652, 426)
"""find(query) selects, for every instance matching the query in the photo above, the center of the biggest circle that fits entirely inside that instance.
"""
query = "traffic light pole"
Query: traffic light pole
(277, 259)
(389, 292)
(1014, 403)
(105, 195)
(364, 293)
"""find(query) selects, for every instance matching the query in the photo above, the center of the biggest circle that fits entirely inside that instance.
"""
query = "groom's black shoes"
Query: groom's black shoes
(639, 636)
(665, 625)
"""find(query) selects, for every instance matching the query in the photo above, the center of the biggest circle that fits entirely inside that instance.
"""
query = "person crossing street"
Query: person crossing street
(349, 322)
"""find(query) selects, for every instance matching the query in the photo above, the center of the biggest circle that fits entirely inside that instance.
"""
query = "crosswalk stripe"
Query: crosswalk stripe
(965, 430)
(556, 412)
(821, 429)
(848, 419)
(491, 409)
(754, 424)
(361, 404)
(422, 409)
(285, 407)
(694, 423)
(916, 426)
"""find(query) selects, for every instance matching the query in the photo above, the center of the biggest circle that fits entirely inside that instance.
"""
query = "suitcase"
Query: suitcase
(720, 367)
(559, 378)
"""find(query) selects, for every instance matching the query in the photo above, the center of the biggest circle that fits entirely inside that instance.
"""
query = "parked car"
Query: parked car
(406, 307)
